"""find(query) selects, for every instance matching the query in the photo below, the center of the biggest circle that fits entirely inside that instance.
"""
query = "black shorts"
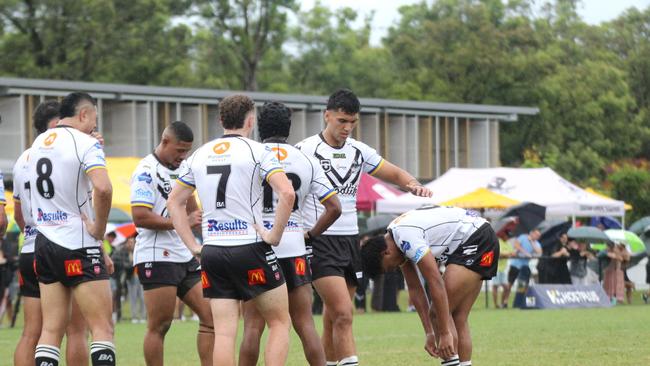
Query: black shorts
(239, 272)
(484, 260)
(27, 277)
(296, 271)
(337, 255)
(55, 263)
(523, 274)
(183, 276)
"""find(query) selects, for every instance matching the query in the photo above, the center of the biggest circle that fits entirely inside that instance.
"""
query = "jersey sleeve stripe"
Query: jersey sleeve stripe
(327, 196)
(376, 168)
(90, 168)
(141, 203)
(273, 171)
(184, 183)
(425, 253)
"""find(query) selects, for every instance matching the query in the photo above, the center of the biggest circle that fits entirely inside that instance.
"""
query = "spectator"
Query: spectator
(613, 278)
(133, 286)
(628, 284)
(646, 294)
(558, 263)
(526, 247)
(501, 280)
(579, 254)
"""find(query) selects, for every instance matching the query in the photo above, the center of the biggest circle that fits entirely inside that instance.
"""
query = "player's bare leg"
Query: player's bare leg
(205, 337)
(24, 355)
(95, 302)
(76, 348)
(160, 304)
(56, 299)
(249, 350)
(463, 286)
(225, 317)
(273, 305)
(338, 340)
(300, 301)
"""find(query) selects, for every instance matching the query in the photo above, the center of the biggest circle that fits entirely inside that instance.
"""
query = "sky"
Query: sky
(592, 11)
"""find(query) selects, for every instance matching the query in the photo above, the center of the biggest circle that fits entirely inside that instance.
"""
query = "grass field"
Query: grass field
(615, 336)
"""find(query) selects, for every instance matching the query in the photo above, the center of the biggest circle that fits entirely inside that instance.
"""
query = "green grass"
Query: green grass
(615, 336)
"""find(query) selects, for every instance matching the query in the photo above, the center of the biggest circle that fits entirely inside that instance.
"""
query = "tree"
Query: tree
(632, 185)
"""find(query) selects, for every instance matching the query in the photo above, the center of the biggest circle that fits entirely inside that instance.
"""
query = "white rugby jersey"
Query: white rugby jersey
(434, 228)
(228, 173)
(151, 183)
(307, 179)
(22, 194)
(60, 190)
(343, 167)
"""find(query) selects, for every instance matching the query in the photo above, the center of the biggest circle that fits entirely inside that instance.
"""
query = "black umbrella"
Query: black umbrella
(552, 230)
(530, 215)
(638, 227)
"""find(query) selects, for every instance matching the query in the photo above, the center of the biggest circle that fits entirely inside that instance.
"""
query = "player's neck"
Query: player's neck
(240, 131)
(330, 140)
(275, 139)
(71, 122)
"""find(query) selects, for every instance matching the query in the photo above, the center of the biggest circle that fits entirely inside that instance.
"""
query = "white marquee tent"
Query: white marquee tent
(540, 185)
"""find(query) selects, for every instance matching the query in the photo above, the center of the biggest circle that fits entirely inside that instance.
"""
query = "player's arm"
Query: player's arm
(18, 214)
(419, 299)
(102, 197)
(283, 188)
(144, 217)
(439, 310)
(390, 173)
(176, 204)
(332, 212)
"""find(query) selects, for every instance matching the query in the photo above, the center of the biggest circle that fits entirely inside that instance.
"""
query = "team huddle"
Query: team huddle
(274, 220)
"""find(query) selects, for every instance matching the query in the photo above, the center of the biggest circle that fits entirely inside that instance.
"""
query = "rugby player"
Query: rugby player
(422, 238)
(237, 260)
(165, 267)
(70, 199)
(307, 178)
(336, 264)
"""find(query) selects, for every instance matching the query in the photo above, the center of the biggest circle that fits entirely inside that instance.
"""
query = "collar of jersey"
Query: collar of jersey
(231, 135)
(275, 140)
(326, 143)
(63, 126)
(162, 162)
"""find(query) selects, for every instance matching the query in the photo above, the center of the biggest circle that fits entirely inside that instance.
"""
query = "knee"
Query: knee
(341, 317)
(160, 328)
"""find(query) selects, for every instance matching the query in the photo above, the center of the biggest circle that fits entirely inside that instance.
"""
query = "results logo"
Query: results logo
(56, 217)
(225, 228)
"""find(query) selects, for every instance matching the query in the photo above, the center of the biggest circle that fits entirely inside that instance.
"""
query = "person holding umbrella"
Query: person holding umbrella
(526, 246)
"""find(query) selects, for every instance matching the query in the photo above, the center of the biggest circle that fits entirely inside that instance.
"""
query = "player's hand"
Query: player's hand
(268, 236)
(196, 250)
(446, 346)
(430, 345)
(94, 231)
(195, 218)
(418, 189)
(98, 136)
(108, 262)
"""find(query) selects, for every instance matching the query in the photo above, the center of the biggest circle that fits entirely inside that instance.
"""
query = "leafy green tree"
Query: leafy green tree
(632, 184)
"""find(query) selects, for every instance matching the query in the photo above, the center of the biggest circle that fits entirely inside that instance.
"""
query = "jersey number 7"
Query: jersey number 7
(224, 174)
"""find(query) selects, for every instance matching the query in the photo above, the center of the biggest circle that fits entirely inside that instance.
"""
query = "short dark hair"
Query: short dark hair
(181, 131)
(344, 100)
(233, 110)
(274, 119)
(372, 253)
(44, 113)
(71, 102)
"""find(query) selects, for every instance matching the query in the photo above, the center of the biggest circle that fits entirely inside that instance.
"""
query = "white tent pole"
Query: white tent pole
(573, 220)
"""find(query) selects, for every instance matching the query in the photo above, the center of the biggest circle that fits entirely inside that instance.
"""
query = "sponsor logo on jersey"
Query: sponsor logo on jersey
(73, 267)
(49, 140)
(349, 189)
(405, 245)
(143, 194)
(98, 145)
(224, 228)
(419, 253)
(277, 276)
(145, 177)
(326, 164)
(165, 253)
(56, 217)
(256, 277)
(301, 266)
(221, 147)
(147, 273)
(30, 231)
(487, 259)
(101, 158)
(205, 282)
(338, 156)
(97, 270)
(281, 153)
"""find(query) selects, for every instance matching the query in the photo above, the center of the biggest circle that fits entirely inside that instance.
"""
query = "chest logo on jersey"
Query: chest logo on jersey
(301, 266)
(256, 277)
(73, 267)
(487, 259)
(49, 140)
(52, 218)
(338, 156)
(326, 164)
(281, 153)
(221, 147)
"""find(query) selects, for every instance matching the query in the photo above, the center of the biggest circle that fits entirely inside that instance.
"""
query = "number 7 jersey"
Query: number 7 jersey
(228, 173)
(61, 191)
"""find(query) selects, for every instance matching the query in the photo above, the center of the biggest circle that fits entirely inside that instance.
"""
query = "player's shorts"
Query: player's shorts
(484, 259)
(337, 255)
(55, 263)
(183, 276)
(239, 272)
(27, 277)
(296, 271)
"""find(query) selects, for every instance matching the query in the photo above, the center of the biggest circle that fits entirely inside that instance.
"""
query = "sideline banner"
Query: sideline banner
(566, 296)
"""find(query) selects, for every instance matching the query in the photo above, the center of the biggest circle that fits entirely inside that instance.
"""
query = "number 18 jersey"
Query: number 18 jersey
(61, 191)
(228, 173)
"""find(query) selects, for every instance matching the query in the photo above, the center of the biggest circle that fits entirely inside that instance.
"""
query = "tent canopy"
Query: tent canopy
(539, 185)
(481, 198)
(119, 171)
(370, 190)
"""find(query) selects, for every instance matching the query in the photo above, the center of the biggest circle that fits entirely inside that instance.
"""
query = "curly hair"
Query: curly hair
(344, 100)
(44, 113)
(233, 110)
(372, 253)
(274, 119)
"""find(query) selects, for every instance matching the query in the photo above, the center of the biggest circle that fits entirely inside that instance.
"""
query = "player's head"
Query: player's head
(79, 109)
(342, 115)
(237, 112)
(175, 144)
(274, 120)
(380, 254)
(46, 115)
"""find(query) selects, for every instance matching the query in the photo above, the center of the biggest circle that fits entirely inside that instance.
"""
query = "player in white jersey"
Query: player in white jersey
(236, 259)
(165, 267)
(70, 199)
(46, 115)
(421, 238)
(336, 265)
(307, 178)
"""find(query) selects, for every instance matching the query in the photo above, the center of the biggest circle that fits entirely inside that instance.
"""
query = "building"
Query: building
(425, 138)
